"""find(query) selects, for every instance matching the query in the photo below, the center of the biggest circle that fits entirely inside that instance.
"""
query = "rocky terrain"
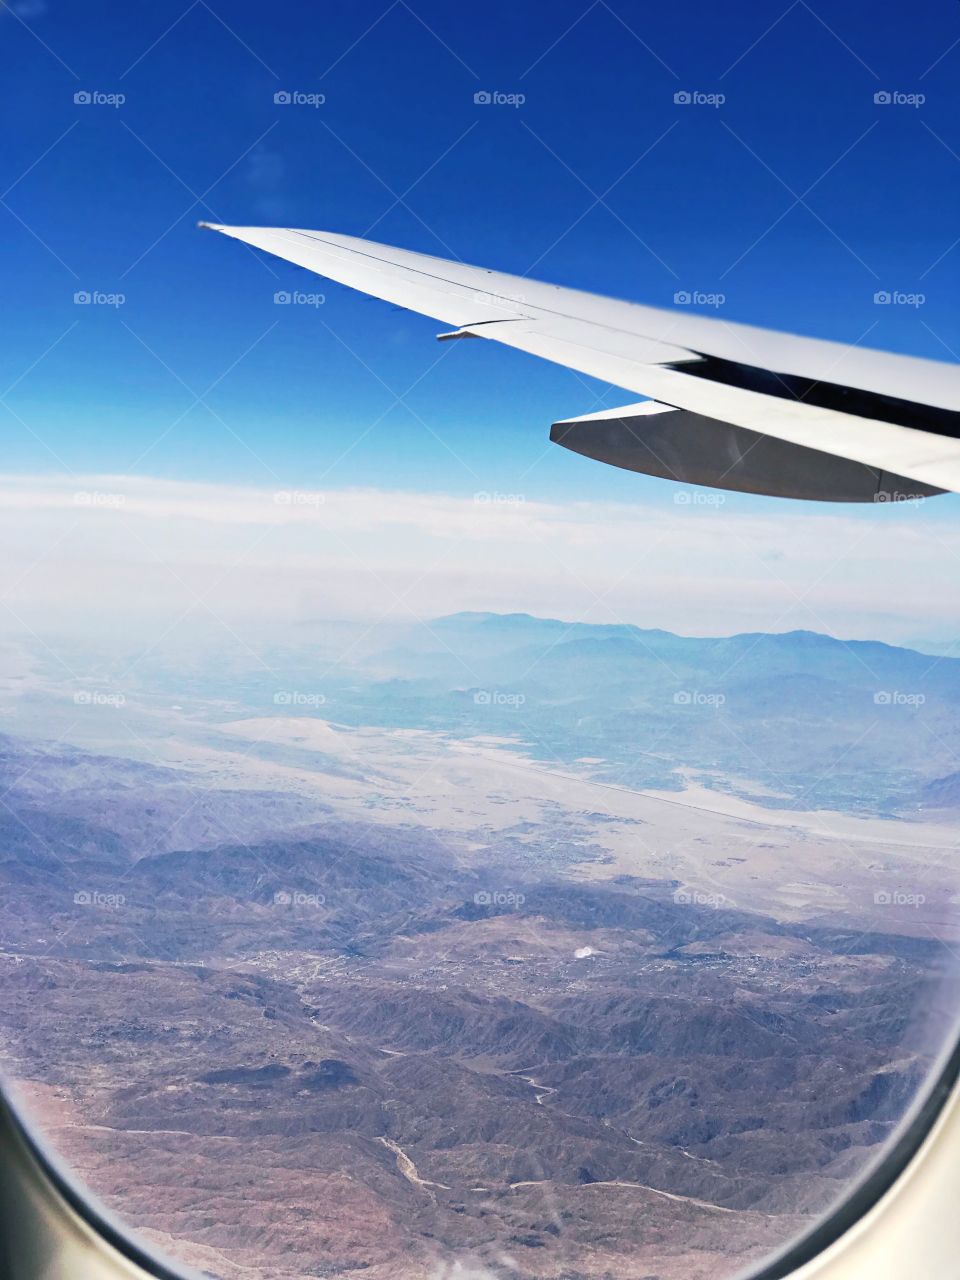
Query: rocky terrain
(275, 1040)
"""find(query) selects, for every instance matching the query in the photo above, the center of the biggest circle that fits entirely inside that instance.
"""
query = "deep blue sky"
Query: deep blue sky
(111, 207)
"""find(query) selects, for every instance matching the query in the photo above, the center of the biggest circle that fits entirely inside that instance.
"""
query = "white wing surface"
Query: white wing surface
(751, 409)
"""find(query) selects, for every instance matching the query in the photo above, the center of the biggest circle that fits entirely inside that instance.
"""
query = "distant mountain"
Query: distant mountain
(942, 793)
(849, 724)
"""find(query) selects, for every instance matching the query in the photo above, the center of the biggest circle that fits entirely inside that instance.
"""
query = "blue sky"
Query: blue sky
(699, 198)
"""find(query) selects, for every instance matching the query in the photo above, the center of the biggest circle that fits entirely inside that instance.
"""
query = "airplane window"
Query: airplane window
(428, 851)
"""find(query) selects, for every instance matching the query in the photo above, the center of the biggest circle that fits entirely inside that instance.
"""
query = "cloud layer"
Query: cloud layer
(137, 553)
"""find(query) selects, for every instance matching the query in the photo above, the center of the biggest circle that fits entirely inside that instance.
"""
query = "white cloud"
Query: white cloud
(87, 551)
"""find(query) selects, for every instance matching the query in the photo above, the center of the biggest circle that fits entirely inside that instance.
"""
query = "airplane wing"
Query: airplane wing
(729, 405)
